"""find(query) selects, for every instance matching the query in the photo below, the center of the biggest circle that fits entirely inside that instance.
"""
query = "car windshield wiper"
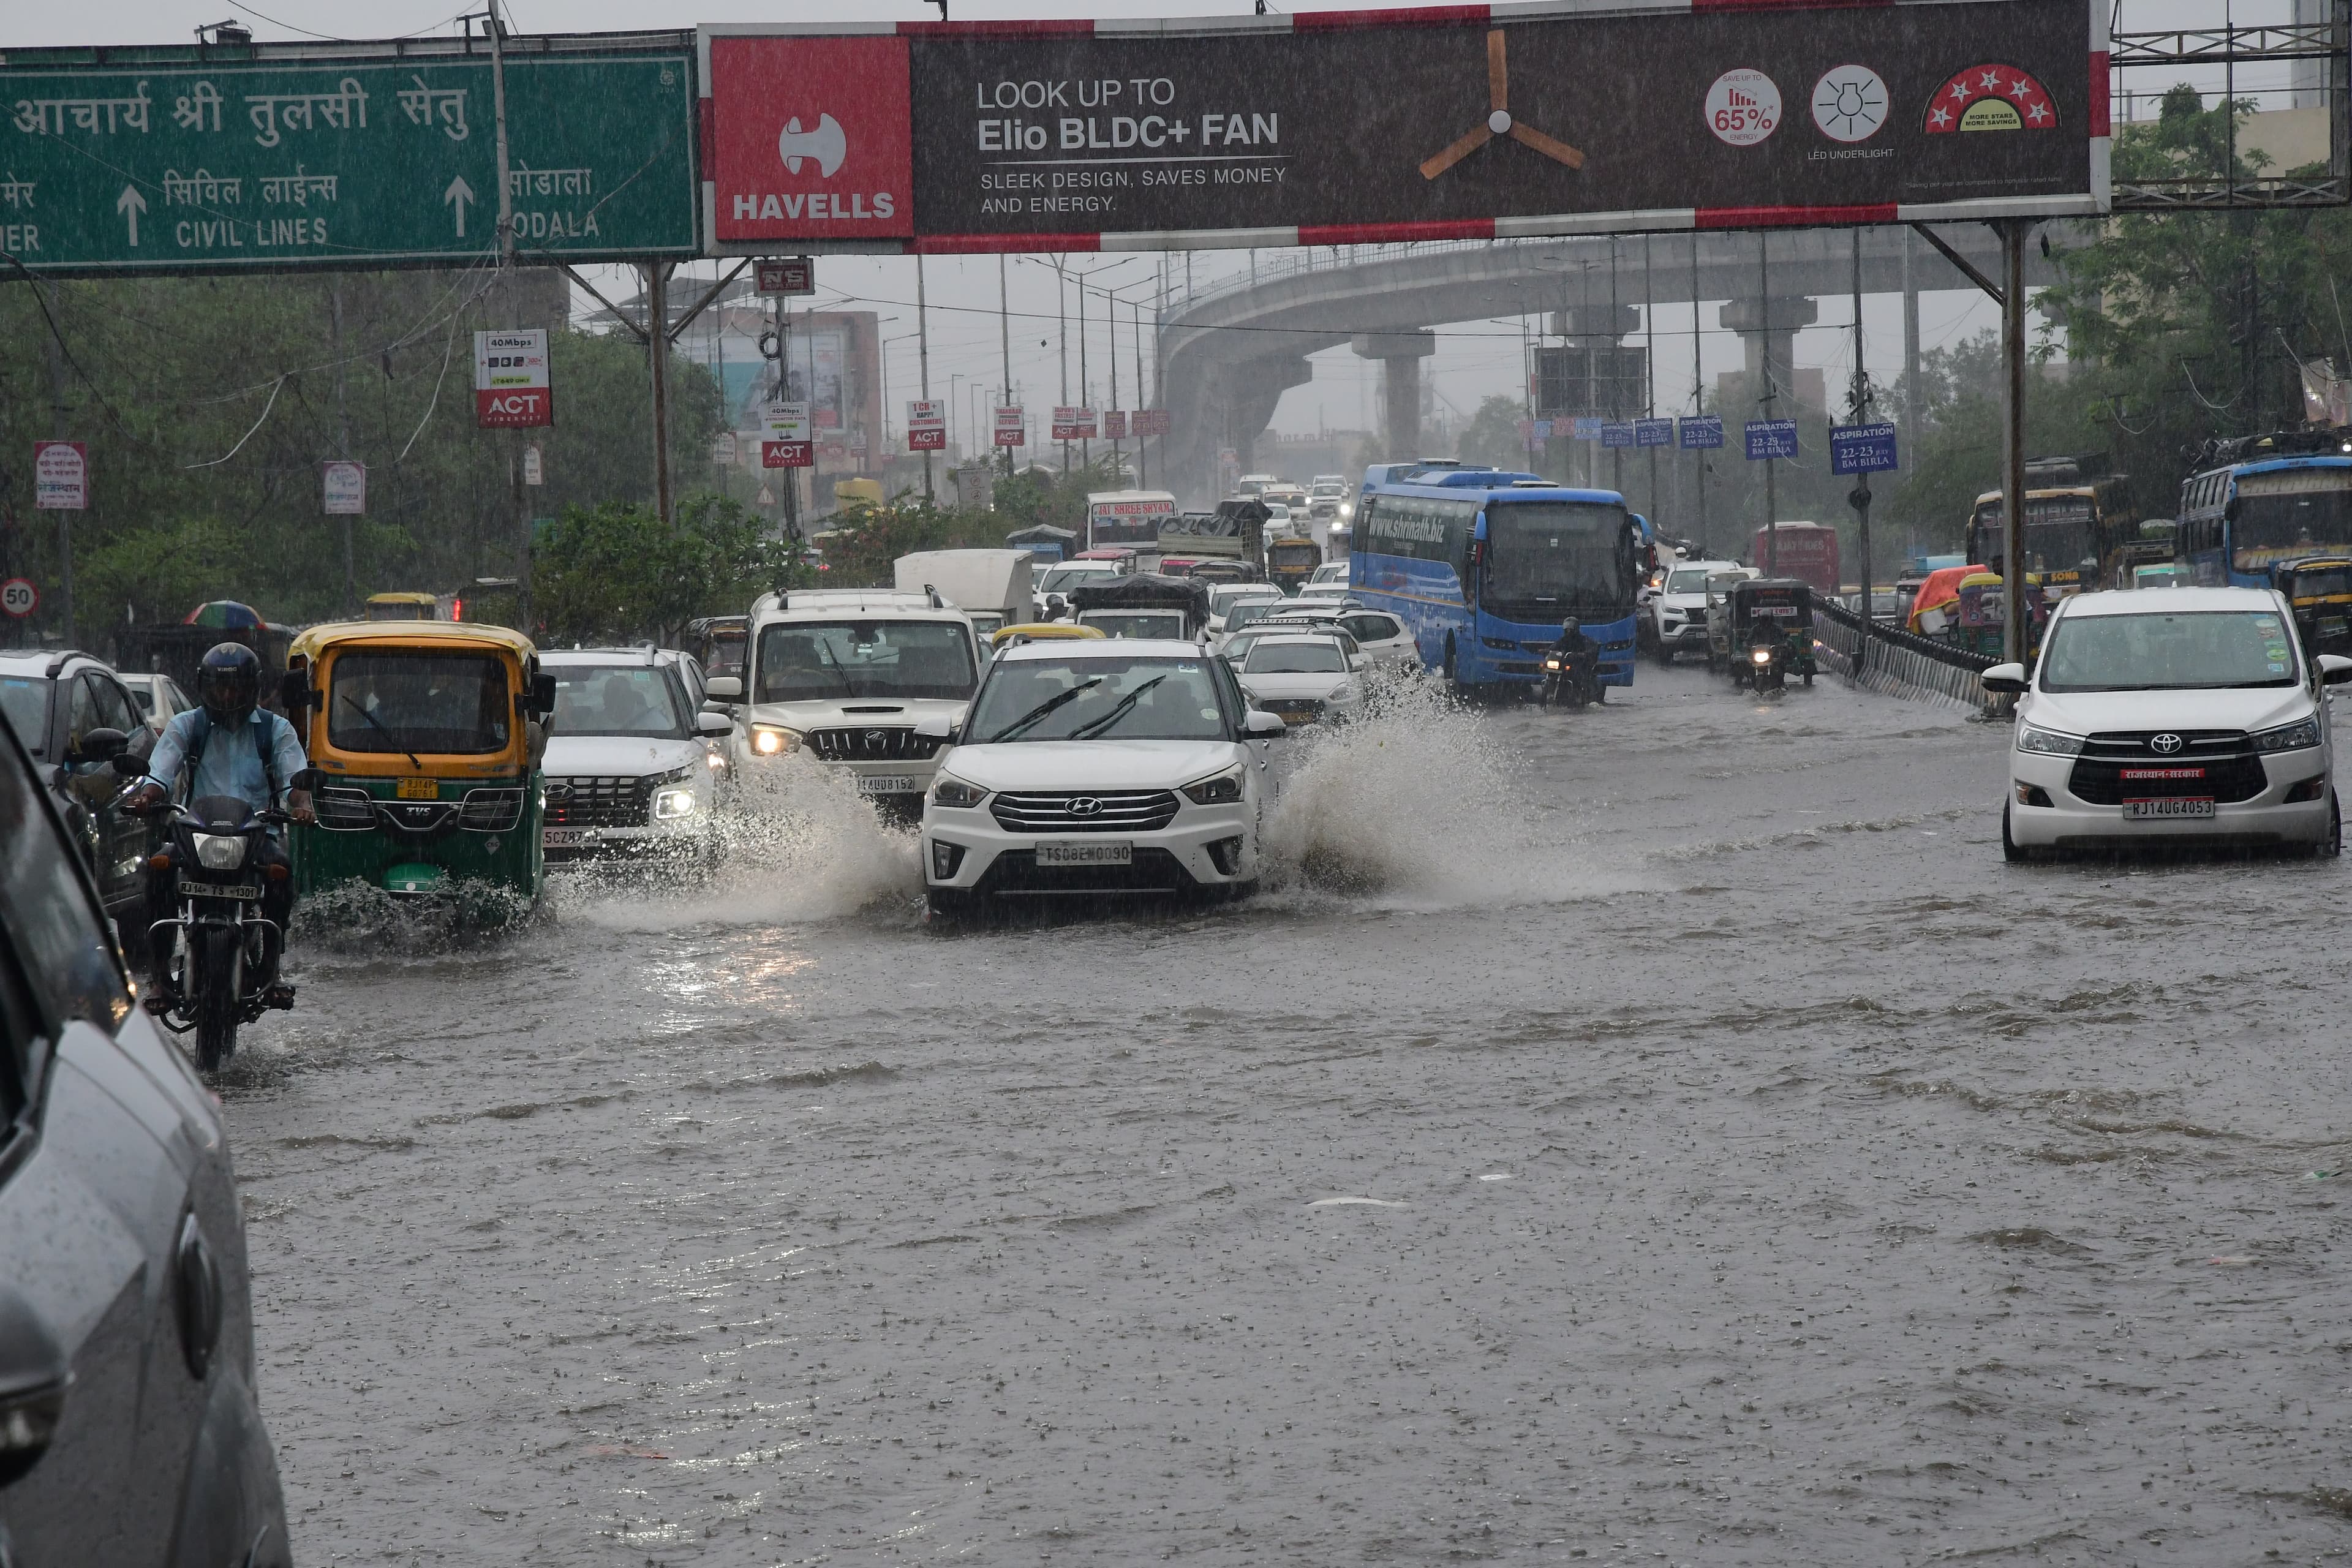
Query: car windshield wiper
(1042, 709)
(1125, 705)
(353, 703)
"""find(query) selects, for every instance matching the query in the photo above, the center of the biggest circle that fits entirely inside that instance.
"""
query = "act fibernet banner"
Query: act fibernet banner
(1347, 127)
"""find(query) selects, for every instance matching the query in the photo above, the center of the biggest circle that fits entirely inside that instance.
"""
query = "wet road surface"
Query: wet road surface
(1667, 1133)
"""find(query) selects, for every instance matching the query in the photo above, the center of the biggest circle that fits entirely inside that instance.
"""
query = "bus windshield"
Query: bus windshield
(2302, 521)
(1548, 559)
(2059, 535)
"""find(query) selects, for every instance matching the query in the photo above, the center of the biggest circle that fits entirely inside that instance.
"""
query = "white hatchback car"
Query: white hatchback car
(1382, 638)
(1306, 677)
(1093, 767)
(2187, 717)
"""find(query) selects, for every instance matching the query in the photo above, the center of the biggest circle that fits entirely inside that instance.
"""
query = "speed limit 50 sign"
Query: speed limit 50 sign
(20, 598)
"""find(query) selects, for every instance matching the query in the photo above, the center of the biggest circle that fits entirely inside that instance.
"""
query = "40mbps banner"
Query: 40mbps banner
(1340, 127)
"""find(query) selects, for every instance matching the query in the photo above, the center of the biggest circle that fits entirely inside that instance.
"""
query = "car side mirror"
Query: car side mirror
(2335, 669)
(1261, 725)
(935, 727)
(713, 724)
(724, 688)
(34, 1372)
(2010, 678)
(102, 746)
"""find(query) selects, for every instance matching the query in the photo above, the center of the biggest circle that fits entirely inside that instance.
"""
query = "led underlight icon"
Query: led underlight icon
(1499, 122)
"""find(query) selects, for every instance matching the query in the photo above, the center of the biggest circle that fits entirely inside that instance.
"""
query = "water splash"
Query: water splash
(1420, 805)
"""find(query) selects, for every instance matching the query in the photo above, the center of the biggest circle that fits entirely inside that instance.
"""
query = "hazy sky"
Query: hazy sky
(1474, 359)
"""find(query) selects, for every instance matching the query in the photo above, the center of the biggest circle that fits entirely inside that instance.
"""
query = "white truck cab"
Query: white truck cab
(845, 675)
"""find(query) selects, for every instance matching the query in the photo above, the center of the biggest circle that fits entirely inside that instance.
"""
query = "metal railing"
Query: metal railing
(1895, 663)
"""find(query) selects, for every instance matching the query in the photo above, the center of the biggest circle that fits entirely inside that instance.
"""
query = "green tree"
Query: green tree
(614, 572)
(1493, 437)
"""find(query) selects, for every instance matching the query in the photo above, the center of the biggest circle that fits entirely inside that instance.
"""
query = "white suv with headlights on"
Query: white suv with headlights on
(1092, 767)
(1678, 609)
(845, 676)
(629, 768)
(2192, 716)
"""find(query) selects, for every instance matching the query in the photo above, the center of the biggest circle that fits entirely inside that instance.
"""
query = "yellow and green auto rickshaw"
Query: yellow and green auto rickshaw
(1291, 563)
(425, 740)
(2320, 589)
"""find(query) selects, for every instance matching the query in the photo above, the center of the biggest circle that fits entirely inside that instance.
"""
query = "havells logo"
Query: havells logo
(825, 144)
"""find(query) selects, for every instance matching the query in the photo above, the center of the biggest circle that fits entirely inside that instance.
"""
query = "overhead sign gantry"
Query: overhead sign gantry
(1465, 122)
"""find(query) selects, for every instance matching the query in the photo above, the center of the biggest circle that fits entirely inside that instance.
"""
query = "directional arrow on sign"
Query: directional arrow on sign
(459, 193)
(130, 203)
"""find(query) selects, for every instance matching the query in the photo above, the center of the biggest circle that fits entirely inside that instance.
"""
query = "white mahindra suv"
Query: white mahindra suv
(1093, 767)
(629, 768)
(2193, 716)
(1678, 609)
(846, 675)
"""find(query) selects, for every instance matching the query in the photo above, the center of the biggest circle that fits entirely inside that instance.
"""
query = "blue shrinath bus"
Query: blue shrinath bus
(2260, 500)
(1484, 564)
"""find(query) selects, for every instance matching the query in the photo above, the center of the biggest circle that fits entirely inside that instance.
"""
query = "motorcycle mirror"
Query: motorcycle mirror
(294, 692)
(127, 766)
(100, 745)
(307, 779)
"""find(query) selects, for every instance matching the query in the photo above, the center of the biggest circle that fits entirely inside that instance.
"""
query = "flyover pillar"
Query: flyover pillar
(1767, 331)
(1400, 354)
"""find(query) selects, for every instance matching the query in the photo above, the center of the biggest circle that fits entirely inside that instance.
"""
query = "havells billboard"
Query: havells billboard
(1339, 127)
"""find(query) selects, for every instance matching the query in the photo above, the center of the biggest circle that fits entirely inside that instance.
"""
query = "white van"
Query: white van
(845, 675)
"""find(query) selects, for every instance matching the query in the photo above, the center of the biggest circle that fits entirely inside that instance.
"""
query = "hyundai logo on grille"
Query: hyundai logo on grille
(2167, 742)
(1085, 805)
(559, 791)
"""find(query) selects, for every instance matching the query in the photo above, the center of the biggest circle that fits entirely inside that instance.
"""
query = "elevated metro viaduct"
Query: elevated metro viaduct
(1229, 353)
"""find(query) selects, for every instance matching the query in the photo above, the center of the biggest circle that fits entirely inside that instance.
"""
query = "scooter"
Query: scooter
(217, 960)
(1573, 675)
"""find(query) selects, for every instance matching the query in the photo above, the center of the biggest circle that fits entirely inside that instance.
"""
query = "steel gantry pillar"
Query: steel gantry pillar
(1400, 354)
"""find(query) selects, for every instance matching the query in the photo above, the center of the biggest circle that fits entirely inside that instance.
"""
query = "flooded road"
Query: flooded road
(1667, 1133)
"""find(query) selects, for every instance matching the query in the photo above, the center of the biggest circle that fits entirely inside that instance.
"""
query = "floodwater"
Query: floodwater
(1665, 1134)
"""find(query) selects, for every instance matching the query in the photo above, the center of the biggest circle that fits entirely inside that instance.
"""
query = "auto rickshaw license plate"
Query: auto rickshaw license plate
(419, 789)
(2157, 810)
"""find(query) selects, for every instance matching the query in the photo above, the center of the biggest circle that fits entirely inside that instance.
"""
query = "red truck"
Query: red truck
(1805, 550)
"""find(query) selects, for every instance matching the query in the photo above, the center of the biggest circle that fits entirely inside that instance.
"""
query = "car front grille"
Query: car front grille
(1296, 709)
(2216, 763)
(870, 745)
(1127, 811)
(600, 802)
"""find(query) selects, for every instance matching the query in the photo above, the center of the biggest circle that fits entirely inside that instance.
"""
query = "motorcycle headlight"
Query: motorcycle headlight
(671, 804)
(2049, 743)
(220, 851)
(1217, 789)
(1761, 655)
(1551, 664)
(771, 740)
(2299, 736)
(949, 789)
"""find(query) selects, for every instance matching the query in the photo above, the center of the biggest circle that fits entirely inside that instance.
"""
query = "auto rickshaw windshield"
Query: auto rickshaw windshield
(397, 701)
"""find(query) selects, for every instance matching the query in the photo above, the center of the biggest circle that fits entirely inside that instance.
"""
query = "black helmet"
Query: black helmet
(229, 683)
(1571, 627)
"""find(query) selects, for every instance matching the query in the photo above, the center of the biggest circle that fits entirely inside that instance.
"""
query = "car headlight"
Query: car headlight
(671, 804)
(769, 740)
(949, 789)
(220, 851)
(1343, 692)
(1217, 789)
(2049, 743)
(2299, 736)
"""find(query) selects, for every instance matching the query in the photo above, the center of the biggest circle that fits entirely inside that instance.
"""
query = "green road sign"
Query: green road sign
(172, 160)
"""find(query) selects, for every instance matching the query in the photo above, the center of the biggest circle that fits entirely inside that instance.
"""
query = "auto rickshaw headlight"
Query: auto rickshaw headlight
(2049, 743)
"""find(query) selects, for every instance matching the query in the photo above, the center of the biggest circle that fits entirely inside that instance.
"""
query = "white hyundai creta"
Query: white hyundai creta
(1092, 767)
(2190, 716)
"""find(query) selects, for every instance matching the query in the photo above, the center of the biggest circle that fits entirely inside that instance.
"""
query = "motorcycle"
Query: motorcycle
(1573, 675)
(1767, 666)
(216, 961)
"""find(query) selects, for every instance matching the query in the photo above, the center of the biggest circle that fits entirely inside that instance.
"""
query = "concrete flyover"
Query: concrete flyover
(1227, 355)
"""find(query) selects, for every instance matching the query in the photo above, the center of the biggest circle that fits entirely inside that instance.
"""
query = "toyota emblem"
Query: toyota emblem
(2166, 743)
(1085, 805)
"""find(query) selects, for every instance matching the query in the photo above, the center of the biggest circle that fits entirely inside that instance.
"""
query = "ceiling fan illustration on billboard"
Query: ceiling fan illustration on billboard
(1499, 122)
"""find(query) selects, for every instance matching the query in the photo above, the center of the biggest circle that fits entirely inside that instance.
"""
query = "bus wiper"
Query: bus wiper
(1039, 712)
(387, 735)
(1119, 711)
